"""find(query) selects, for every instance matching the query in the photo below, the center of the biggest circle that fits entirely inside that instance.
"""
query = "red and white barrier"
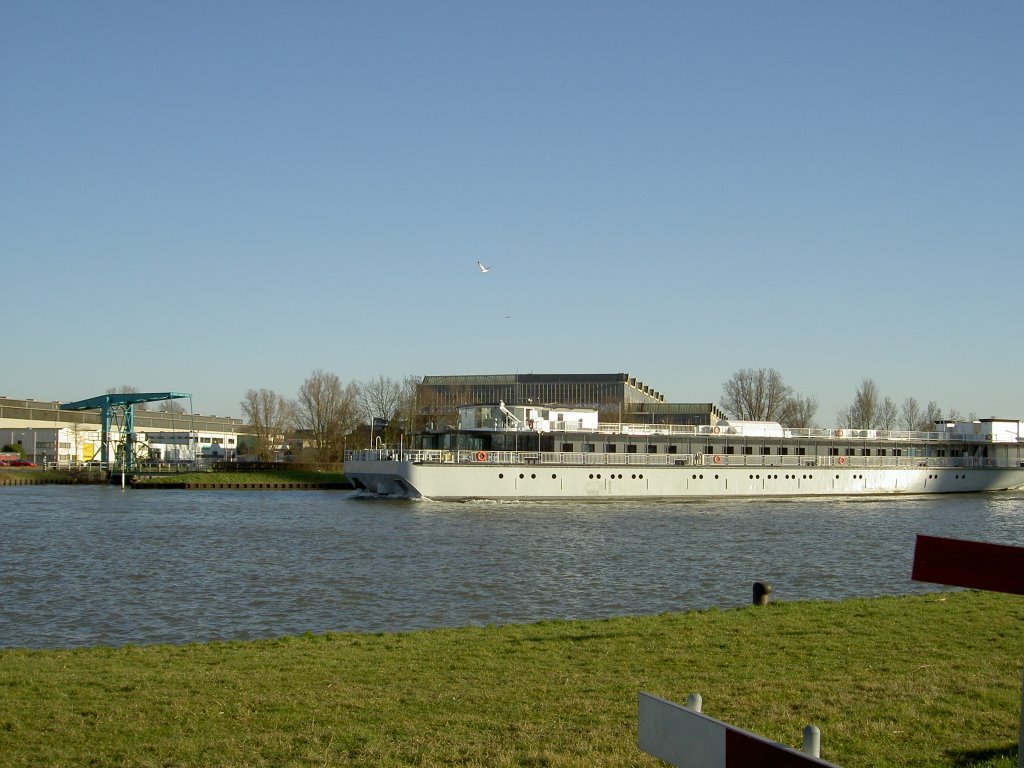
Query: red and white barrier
(690, 739)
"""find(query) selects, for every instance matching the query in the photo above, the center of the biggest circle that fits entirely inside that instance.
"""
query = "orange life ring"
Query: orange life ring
(717, 430)
(842, 459)
(839, 433)
(481, 455)
(718, 459)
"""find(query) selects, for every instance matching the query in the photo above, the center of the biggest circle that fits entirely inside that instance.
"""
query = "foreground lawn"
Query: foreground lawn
(932, 680)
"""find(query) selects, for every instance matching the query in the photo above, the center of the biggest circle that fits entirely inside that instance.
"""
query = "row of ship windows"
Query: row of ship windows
(747, 450)
(613, 476)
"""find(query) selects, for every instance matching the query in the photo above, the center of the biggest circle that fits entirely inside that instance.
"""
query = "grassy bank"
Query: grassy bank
(263, 477)
(916, 681)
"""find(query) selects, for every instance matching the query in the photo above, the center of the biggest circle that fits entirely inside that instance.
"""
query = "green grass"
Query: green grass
(268, 476)
(930, 680)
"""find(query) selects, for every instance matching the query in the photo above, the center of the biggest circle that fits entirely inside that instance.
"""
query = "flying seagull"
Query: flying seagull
(483, 268)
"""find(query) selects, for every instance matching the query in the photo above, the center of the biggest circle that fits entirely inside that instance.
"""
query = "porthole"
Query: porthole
(694, 477)
(633, 477)
(716, 477)
(641, 477)
(533, 477)
(591, 475)
(598, 475)
(521, 476)
(554, 477)
(501, 475)
(701, 477)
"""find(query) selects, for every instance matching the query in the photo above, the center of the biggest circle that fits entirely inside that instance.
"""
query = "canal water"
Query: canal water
(95, 565)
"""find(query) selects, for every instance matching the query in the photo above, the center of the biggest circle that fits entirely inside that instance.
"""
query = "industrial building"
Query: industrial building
(48, 435)
(618, 397)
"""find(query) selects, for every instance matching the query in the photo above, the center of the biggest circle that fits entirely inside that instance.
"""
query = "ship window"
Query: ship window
(783, 450)
(709, 449)
(630, 449)
(672, 449)
(801, 451)
(588, 447)
(765, 450)
(609, 448)
(652, 449)
(881, 451)
(865, 452)
(832, 451)
(748, 449)
(566, 447)
(730, 449)
(849, 451)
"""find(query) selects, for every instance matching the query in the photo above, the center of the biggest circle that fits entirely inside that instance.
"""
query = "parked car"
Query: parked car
(22, 463)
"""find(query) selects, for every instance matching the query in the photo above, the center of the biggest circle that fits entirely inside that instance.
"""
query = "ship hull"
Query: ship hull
(447, 481)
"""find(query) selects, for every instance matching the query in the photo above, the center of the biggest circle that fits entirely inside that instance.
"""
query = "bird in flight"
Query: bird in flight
(483, 268)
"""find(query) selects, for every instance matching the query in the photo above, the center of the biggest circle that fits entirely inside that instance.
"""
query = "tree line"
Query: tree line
(763, 395)
(326, 411)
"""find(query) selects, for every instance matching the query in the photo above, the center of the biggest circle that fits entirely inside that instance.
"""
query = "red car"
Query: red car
(22, 463)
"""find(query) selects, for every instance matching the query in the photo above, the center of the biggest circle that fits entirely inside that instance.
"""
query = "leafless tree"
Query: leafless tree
(865, 412)
(327, 410)
(379, 400)
(888, 414)
(932, 414)
(270, 416)
(799, 412)
(910, 415)
(170, 406)
(128, 389)
(759, 395)
(408, 410)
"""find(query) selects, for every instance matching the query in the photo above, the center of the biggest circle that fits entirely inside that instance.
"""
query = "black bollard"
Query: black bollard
(761, 592)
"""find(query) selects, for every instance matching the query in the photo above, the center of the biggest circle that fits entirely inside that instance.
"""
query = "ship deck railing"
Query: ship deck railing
(709, 461)
(748, 431)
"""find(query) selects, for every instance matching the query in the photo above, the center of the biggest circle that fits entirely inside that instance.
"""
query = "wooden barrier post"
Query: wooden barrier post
(976, 565)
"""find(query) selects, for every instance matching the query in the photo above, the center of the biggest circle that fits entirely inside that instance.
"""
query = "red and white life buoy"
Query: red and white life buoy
(717, 430)
(842, 459)
(718, 459)
(839, 433)
(481, 455)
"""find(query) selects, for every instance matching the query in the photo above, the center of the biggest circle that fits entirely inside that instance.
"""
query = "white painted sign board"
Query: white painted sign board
(689, 739)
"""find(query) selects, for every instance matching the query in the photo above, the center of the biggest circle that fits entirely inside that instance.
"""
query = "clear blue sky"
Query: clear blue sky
(210, 197)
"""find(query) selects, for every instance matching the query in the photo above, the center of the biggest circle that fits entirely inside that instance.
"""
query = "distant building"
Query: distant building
(47, 434)
(618, 397)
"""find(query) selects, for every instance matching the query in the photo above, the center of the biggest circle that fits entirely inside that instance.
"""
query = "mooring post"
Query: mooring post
(812, 741)
(761, 592)
(694, 702)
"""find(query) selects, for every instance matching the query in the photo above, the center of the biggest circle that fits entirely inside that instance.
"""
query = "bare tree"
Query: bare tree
(887, 414)
(932, 414)
(910, 415)
(170, 406)
(327, 410)
(379, 400)
(270, 416)
(865, 412)
(128, 389)
(407, 412)
(759, 395)
(799, 412)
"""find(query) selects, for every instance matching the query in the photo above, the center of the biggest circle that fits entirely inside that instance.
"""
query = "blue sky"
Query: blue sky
(212, 197)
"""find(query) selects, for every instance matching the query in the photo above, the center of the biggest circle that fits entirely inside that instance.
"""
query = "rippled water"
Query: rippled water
(95, 565)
